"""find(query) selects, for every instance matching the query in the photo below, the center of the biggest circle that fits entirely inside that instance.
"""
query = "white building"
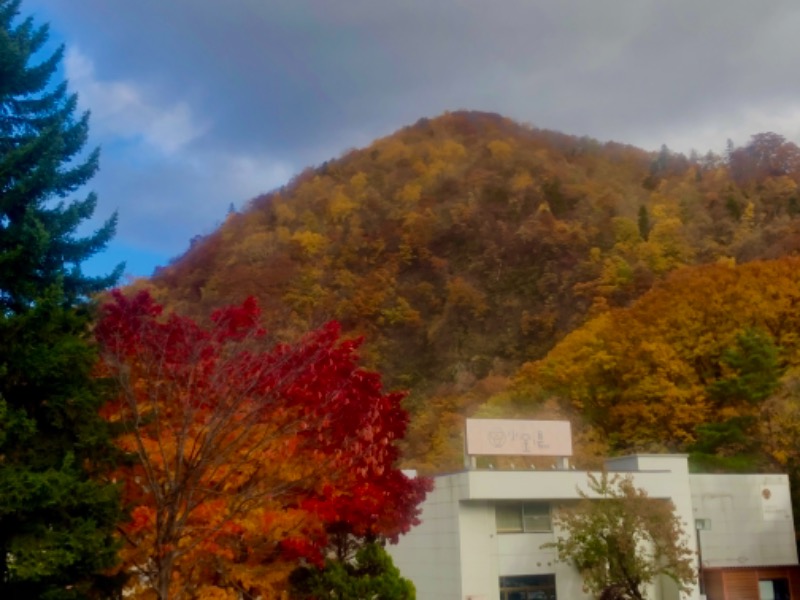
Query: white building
(482, 533)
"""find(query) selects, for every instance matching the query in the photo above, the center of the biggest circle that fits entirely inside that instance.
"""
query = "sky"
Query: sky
(200, 104)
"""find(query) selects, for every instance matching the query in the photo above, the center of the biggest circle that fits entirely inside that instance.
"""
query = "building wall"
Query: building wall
(662, 476)
(742, 584)
(751, 520)
(522, 554)
(430, 555)
(479, 551)
(714, 586)
(457, 554)
(486, 555)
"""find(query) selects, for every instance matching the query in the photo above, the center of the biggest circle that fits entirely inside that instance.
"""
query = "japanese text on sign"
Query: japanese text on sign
(507, 437)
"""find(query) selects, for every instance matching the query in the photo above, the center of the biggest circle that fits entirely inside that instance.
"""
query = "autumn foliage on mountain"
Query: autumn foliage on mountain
(709, 343)
(245, 456)
(467, 245)
(708, 362)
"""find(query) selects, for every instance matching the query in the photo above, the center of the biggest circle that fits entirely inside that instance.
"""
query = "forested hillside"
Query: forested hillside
(708, 362)
(467, 245)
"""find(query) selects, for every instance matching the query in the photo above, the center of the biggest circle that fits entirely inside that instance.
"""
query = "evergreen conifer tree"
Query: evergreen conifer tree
(57, 516)
(371, 574)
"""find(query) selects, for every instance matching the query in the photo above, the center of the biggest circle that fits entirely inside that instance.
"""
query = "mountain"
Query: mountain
(466, 245)
(706, 362)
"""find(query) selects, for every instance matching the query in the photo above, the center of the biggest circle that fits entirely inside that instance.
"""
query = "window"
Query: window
(519, 517)
(774, 589)
(528, 587)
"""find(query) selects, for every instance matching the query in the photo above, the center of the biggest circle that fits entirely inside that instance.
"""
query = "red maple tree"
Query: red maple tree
(245, 456)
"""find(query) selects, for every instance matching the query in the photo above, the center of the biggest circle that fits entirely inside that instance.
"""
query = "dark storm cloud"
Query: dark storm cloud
(294, 82)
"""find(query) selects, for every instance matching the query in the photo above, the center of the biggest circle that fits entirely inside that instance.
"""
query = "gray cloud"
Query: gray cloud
(293, 82)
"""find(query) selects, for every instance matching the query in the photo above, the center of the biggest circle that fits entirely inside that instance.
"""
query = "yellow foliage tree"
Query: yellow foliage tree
(642, 374)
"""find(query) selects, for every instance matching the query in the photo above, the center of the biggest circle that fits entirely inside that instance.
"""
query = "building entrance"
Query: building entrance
(528, 587)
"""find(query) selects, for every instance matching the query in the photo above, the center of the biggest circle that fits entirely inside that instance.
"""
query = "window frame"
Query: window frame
(539, 519)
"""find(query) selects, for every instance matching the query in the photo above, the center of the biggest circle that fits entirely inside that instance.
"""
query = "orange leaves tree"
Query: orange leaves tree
(243, 457)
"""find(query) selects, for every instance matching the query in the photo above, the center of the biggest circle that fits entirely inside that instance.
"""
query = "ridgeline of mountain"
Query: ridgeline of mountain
(464, 246)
